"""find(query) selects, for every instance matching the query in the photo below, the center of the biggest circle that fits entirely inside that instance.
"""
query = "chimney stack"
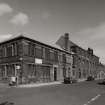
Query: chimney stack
(66, 35)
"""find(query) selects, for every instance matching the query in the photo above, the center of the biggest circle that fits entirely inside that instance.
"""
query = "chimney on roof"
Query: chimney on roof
(90, 51)
(66, 38)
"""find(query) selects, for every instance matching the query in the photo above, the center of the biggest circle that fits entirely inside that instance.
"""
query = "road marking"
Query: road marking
(93, 99)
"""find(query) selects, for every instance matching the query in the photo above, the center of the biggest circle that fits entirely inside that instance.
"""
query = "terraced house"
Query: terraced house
(33, 61)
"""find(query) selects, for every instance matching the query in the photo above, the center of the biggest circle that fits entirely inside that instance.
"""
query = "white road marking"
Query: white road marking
(93, 99)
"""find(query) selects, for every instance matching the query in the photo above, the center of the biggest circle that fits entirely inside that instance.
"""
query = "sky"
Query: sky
(47, 20)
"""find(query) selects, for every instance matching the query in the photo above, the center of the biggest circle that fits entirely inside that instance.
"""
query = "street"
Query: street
(84, 93)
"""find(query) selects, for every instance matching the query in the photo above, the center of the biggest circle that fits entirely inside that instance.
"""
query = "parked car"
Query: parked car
(102, 82)
(68, 80)
(90, 78)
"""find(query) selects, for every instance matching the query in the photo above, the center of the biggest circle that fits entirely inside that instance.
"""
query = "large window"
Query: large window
(38, 51)
(2, 71)
(31, 49)
(9, 50)
(43, 73)
(10, 70)
(19, 49)
(64, 58)
(52, 55)
(1, 52)
(26, 48)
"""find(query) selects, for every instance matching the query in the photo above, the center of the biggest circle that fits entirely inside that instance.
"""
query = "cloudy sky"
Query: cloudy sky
(47, 20)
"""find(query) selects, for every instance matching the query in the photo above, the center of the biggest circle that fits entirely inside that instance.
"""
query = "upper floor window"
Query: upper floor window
(52, 56)
(1, 52)
(73, 49)
(60, 58)
(68, 59)
(9, 50)
(26, 48)
(38, 51)
(31, 49)
(47, 54)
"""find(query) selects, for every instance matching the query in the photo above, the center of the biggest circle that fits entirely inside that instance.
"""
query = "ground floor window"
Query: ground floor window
(64, 72)
(36, 73)
(8, 70)
(43, 73)
(2, 71)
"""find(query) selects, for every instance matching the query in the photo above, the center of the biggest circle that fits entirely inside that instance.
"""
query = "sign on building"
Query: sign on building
(38, 61)
(17, 67)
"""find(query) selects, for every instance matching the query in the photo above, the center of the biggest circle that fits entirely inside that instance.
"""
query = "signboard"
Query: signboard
(38, 61)
(17, 67)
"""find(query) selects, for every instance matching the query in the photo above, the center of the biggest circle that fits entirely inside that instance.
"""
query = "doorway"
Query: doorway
(55, 73)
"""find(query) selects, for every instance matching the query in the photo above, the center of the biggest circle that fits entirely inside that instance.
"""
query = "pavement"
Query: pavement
(44, 84)
(82, 93)
(38, 84)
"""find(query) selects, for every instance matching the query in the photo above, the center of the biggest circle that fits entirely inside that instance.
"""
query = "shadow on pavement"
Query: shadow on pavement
(101, 83)
(7, 103)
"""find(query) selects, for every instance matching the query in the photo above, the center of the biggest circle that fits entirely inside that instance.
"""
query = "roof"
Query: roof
(22, 36)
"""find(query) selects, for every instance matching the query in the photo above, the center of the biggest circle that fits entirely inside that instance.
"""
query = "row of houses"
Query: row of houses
(32, 61)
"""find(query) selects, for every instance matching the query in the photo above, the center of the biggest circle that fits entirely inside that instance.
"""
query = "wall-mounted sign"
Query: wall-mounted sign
(17, 67)
(38, 61)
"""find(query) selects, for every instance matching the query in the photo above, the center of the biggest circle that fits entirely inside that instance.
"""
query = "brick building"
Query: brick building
(101, 71)
(33, 61)
(85, 63)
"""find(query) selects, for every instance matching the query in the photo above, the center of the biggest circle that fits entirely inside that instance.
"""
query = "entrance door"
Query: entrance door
(55, 73)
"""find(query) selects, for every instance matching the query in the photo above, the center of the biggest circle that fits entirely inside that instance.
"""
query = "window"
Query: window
(73, 49)
(69, 59)
(43, 73)
(1, 52)
(52, 55)
(79, 73)
(26, 48)
(19, 49)
(64, 58)
(10, 70)
(31, 49)
(56, 56)
(47, 54)
(38, 51)
(9, 51)
(73, 72)
(60, 58)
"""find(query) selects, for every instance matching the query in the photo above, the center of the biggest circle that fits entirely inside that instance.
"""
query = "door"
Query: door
(55, 73)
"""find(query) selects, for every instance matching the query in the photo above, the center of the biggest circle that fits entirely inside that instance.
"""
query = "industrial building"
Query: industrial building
(32, 61)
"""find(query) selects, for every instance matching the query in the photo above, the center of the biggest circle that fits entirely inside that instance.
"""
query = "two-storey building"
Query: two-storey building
(33, 61)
